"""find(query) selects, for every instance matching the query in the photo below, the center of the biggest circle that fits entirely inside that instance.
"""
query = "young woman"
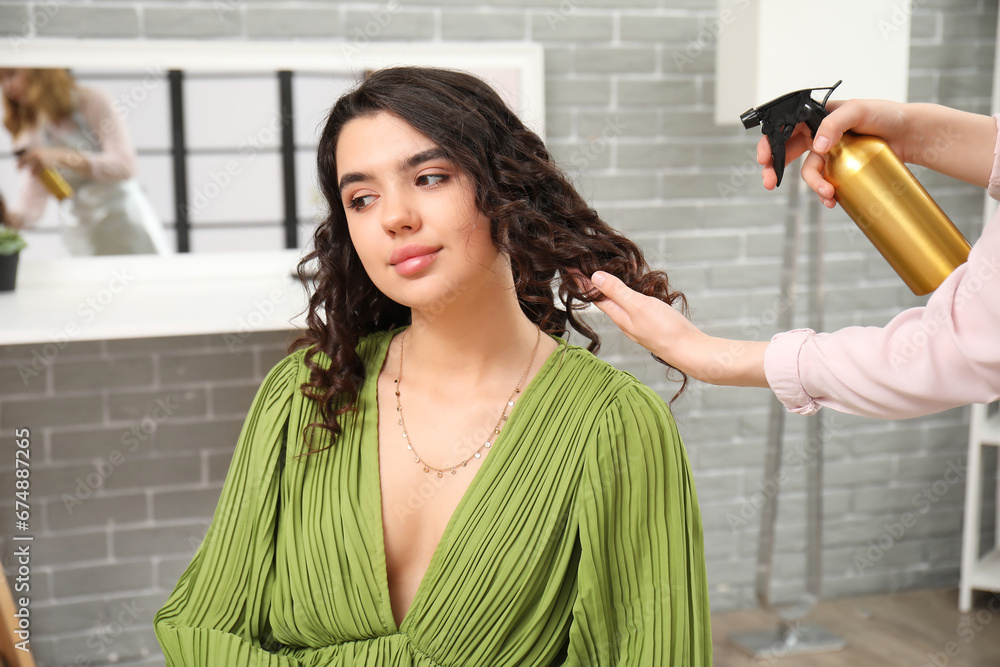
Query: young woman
(74, 130)
(435, 476)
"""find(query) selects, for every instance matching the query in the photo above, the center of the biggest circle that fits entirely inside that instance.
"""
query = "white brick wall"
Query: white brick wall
(623, 69)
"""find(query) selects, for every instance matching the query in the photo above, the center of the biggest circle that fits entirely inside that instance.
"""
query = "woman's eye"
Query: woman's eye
(431, 179)
(359, 203)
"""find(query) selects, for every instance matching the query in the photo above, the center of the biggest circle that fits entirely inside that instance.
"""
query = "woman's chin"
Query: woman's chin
(434, 297)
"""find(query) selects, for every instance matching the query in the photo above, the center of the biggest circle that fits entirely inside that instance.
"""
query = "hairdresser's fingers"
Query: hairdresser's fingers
(618, 314)
(812, 174)
(620, 301)
(796, 145)
(843, 116)
(32, 160)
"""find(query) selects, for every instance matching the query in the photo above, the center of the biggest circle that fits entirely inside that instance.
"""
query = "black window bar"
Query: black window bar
(179, 152)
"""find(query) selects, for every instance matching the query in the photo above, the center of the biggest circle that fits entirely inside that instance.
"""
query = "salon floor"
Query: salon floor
(913, 629)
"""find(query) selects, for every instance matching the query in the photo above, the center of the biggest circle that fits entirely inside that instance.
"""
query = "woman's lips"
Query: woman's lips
(411, 259)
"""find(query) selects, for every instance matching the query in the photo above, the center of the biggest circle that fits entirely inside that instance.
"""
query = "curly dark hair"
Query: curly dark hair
(537, 218)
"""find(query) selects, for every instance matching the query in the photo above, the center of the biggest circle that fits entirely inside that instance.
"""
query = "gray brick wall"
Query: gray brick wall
(122, 497)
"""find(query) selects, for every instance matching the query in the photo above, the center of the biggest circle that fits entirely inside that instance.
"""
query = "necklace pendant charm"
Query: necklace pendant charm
(439, 473)
(488, 443)
(426, 469)
(510, 403)
(478, 455)
(453, 471)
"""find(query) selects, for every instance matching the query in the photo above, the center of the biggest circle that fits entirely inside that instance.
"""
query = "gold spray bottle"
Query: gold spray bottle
(52, 180)
(875, 188)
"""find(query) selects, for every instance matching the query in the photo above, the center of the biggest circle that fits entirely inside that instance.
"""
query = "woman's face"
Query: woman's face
(14, 83)
(411, 214)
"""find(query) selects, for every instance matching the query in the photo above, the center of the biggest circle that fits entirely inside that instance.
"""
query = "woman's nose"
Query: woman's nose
(398, 214)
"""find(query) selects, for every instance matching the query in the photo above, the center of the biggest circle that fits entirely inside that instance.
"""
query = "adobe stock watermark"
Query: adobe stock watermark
(969, 291)
(898, 17)
(565, 9)
(793, 460)
(792, 632)
(126, 103)
(130, 440)
(362, 36)
(739, 175)
(104, 636)
(892, 533)
(899, 190)
(89, 310)
(584, 156)
(428, 488)
(723, 361)
(39, 15)
(92, 138)
(971, 625)
(224, 7)
(707, 36)
(246, 326)
(220, 179)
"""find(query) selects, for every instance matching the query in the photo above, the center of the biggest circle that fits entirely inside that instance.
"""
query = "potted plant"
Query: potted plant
(11, 245)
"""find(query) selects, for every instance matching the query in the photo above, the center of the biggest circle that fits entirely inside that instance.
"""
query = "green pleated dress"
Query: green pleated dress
(578, 541)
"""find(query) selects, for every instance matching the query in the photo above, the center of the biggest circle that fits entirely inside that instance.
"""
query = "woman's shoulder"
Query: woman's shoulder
(602, 384)
(93, 103)
(87, 96)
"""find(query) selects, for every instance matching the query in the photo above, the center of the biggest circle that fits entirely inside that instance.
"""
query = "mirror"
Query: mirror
(226, 133)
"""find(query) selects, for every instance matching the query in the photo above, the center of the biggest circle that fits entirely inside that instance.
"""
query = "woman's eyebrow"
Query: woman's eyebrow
(421, 157)
(409, 163)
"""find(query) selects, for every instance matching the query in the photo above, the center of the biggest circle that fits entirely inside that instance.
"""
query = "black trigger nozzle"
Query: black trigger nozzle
(750, 118)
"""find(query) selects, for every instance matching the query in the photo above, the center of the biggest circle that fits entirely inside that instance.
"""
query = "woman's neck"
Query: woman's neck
(470, 338)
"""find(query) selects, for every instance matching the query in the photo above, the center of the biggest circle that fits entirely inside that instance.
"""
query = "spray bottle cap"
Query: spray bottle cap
(778, 118)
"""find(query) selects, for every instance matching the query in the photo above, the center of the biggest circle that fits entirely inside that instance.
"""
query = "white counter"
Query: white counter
(136, 296)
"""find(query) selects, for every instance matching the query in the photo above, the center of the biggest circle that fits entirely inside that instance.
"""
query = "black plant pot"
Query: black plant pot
(8, 271)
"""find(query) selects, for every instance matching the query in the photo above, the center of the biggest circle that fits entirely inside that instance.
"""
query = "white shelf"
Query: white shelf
(982, 574)
(985, 575)
(989, 433)
(137, 296)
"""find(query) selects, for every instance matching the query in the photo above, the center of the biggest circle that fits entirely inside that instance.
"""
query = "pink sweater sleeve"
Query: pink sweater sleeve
(115, 160)
(927, 359)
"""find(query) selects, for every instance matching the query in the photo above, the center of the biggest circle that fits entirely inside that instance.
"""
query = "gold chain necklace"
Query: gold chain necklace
(496, 429)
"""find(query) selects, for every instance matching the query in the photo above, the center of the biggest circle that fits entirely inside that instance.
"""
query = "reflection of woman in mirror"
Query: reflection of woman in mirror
(435, 476)
(73, 130)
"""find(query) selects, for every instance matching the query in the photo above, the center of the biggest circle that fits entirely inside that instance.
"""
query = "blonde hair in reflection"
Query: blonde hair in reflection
(49, 97)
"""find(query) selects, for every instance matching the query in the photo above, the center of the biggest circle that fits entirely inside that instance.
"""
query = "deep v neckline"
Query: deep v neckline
(371, 456)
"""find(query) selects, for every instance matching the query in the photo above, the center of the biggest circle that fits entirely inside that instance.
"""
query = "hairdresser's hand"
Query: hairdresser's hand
(36, 160)
(669, 335)
(48, 157)
(881, 118)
